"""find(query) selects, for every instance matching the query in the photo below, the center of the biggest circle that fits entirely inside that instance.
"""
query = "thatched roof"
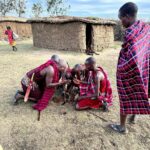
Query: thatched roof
(68, 19)
(12, 19)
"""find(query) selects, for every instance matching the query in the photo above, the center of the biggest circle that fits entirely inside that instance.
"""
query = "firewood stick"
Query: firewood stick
(39, 115)
(29, 88)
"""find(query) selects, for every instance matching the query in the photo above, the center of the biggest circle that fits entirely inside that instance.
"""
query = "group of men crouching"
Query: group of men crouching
(85, 85)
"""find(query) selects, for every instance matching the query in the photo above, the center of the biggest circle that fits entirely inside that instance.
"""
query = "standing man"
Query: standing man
(133, 67)
(11, 39)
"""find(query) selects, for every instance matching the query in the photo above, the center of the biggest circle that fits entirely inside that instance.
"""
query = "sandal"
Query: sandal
(105, 107)
(118, 128)
(15, 100)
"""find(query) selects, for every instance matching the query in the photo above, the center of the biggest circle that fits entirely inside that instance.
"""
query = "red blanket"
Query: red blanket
(133, 70)
(108, 89)
(48, 92)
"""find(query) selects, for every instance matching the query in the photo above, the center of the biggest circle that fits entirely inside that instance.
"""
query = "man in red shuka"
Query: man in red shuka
(133, 68)
(45, 81)
(95, 90)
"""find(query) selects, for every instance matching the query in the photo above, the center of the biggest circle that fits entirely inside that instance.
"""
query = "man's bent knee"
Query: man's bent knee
(77, 107)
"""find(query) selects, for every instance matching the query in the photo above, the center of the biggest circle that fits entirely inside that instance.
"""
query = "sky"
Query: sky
(98, 8)
(106, 8)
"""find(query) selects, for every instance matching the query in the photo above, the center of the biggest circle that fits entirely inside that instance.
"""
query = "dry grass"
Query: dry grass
(20, 130)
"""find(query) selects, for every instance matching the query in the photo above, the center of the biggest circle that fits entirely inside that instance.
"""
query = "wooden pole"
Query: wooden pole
(39, 115)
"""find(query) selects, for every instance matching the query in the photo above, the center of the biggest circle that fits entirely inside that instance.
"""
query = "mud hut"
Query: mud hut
(118, 31)
(18, 25)
(72, 33)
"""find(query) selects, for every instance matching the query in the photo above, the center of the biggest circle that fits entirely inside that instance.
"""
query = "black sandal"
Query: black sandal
(105, 107)
(118, 128)
(15, 100)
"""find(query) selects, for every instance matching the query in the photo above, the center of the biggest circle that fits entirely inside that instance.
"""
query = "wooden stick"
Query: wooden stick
(39, 115)
(29, 89)
(68, 65)
(97, 116)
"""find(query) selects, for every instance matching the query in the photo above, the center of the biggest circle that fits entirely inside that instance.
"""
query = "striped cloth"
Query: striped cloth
(89, 88)
(106, 89)
(133, 70)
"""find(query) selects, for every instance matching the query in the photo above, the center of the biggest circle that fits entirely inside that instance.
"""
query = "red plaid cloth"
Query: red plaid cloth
(89, 89)
(133, 70)
(107, 88)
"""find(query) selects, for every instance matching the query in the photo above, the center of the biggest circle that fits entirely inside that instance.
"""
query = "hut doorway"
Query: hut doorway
(89, 39)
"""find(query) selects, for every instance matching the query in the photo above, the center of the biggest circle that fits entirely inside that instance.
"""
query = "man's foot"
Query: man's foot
(133, 119)
(105, 107)
(15, 48)
(17, 97)
(89, 53)
(119, 128)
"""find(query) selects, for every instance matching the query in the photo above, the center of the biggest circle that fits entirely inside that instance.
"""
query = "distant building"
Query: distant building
(72, 33)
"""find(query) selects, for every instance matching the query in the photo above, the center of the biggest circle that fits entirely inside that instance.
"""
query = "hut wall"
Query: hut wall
(22, 29)
(70, 36)
(118, 31)
(103, 37)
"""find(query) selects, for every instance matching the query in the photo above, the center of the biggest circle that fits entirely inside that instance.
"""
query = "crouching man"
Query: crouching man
(95, 90)
(46, 79)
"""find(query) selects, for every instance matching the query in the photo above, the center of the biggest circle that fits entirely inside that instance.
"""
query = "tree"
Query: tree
(37, 9)
(20, 7)
(6, 6)
(57, 7)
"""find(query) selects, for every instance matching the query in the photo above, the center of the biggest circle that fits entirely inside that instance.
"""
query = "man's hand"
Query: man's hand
(76, 81)
(65, 82)
(34, 86)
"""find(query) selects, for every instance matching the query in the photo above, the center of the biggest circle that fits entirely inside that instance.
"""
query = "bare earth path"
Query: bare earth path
(20, 130)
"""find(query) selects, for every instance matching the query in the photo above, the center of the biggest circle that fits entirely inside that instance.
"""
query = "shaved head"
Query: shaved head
(90, 63)
(78, 66)
(55, 58)
(63, 63)
(90, 60)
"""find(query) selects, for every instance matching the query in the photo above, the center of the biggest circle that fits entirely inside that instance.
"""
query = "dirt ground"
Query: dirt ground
(20, 130)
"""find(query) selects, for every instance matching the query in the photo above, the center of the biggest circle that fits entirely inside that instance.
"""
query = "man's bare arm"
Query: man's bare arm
(49, 72)
(99, 77)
